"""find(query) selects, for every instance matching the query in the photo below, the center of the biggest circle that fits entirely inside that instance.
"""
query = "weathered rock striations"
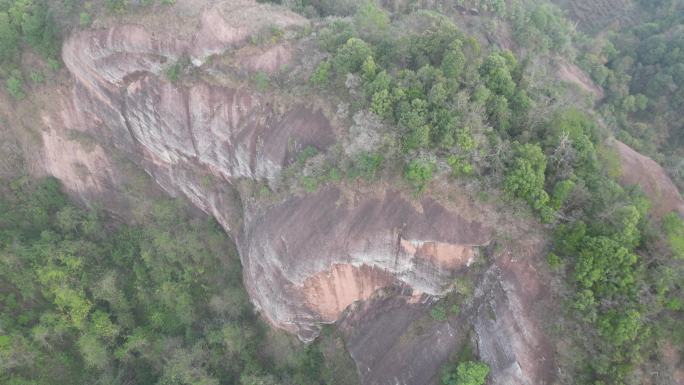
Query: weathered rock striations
(174, 129)
(308, 258)
(508, 338)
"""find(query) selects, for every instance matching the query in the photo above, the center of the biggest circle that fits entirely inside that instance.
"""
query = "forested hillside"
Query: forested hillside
(87, 299)
(515, 107)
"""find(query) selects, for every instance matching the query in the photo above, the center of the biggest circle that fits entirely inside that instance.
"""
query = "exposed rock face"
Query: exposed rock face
(176, 130)
(394, 341)
(270, 61)
(652, 178)
(351, 249)
(306, 259)
(331, 292)
(508, 339)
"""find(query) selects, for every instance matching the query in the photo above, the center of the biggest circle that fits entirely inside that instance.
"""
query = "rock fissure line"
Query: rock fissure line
(188, 122)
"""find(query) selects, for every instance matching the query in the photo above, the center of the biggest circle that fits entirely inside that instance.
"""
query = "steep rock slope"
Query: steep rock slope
(229, 132)
(308, 258)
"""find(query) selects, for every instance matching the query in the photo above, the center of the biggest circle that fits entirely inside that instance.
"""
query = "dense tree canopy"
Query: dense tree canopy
(85, 300)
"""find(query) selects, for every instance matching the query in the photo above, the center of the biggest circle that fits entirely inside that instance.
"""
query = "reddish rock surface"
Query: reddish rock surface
(302, 237)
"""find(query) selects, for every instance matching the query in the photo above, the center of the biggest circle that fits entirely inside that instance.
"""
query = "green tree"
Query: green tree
(40, 29)
(102, 326)
(620, 327)
(366, 165)
(369, 69)
(466, 373)
(93, 351)
(85, 20)
(526, 175)
(561, 192)
(674, 232)
(18, 9)
(418, 172)
(497, 76)
(414, 119)
(8, 39)
(321, 75)
(381, 103)
(607, 268)
(371, 21)
(350, 57)
(454, 60)
(15, 85)
(498, 112)
(459, 166)
(335, 35)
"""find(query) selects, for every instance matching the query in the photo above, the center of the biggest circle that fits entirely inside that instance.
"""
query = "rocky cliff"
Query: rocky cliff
(308, 259)
(305, 259)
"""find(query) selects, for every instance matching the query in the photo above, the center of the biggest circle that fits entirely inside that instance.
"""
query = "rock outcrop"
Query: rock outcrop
(509, 338)
(306, 258)
(394, 340)
(173, 130)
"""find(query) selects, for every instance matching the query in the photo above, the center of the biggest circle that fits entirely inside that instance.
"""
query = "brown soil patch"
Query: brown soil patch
(651, 177)
(572, 74)
(270, 60)
(672, 358)
(445, 255)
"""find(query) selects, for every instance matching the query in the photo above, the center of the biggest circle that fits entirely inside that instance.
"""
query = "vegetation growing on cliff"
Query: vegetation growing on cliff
(25, 23)
(466, 373)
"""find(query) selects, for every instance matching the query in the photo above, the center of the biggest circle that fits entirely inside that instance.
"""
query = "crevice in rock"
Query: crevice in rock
(188, 122)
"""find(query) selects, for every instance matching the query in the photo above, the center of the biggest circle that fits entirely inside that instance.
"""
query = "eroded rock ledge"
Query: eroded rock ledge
(310, 257)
